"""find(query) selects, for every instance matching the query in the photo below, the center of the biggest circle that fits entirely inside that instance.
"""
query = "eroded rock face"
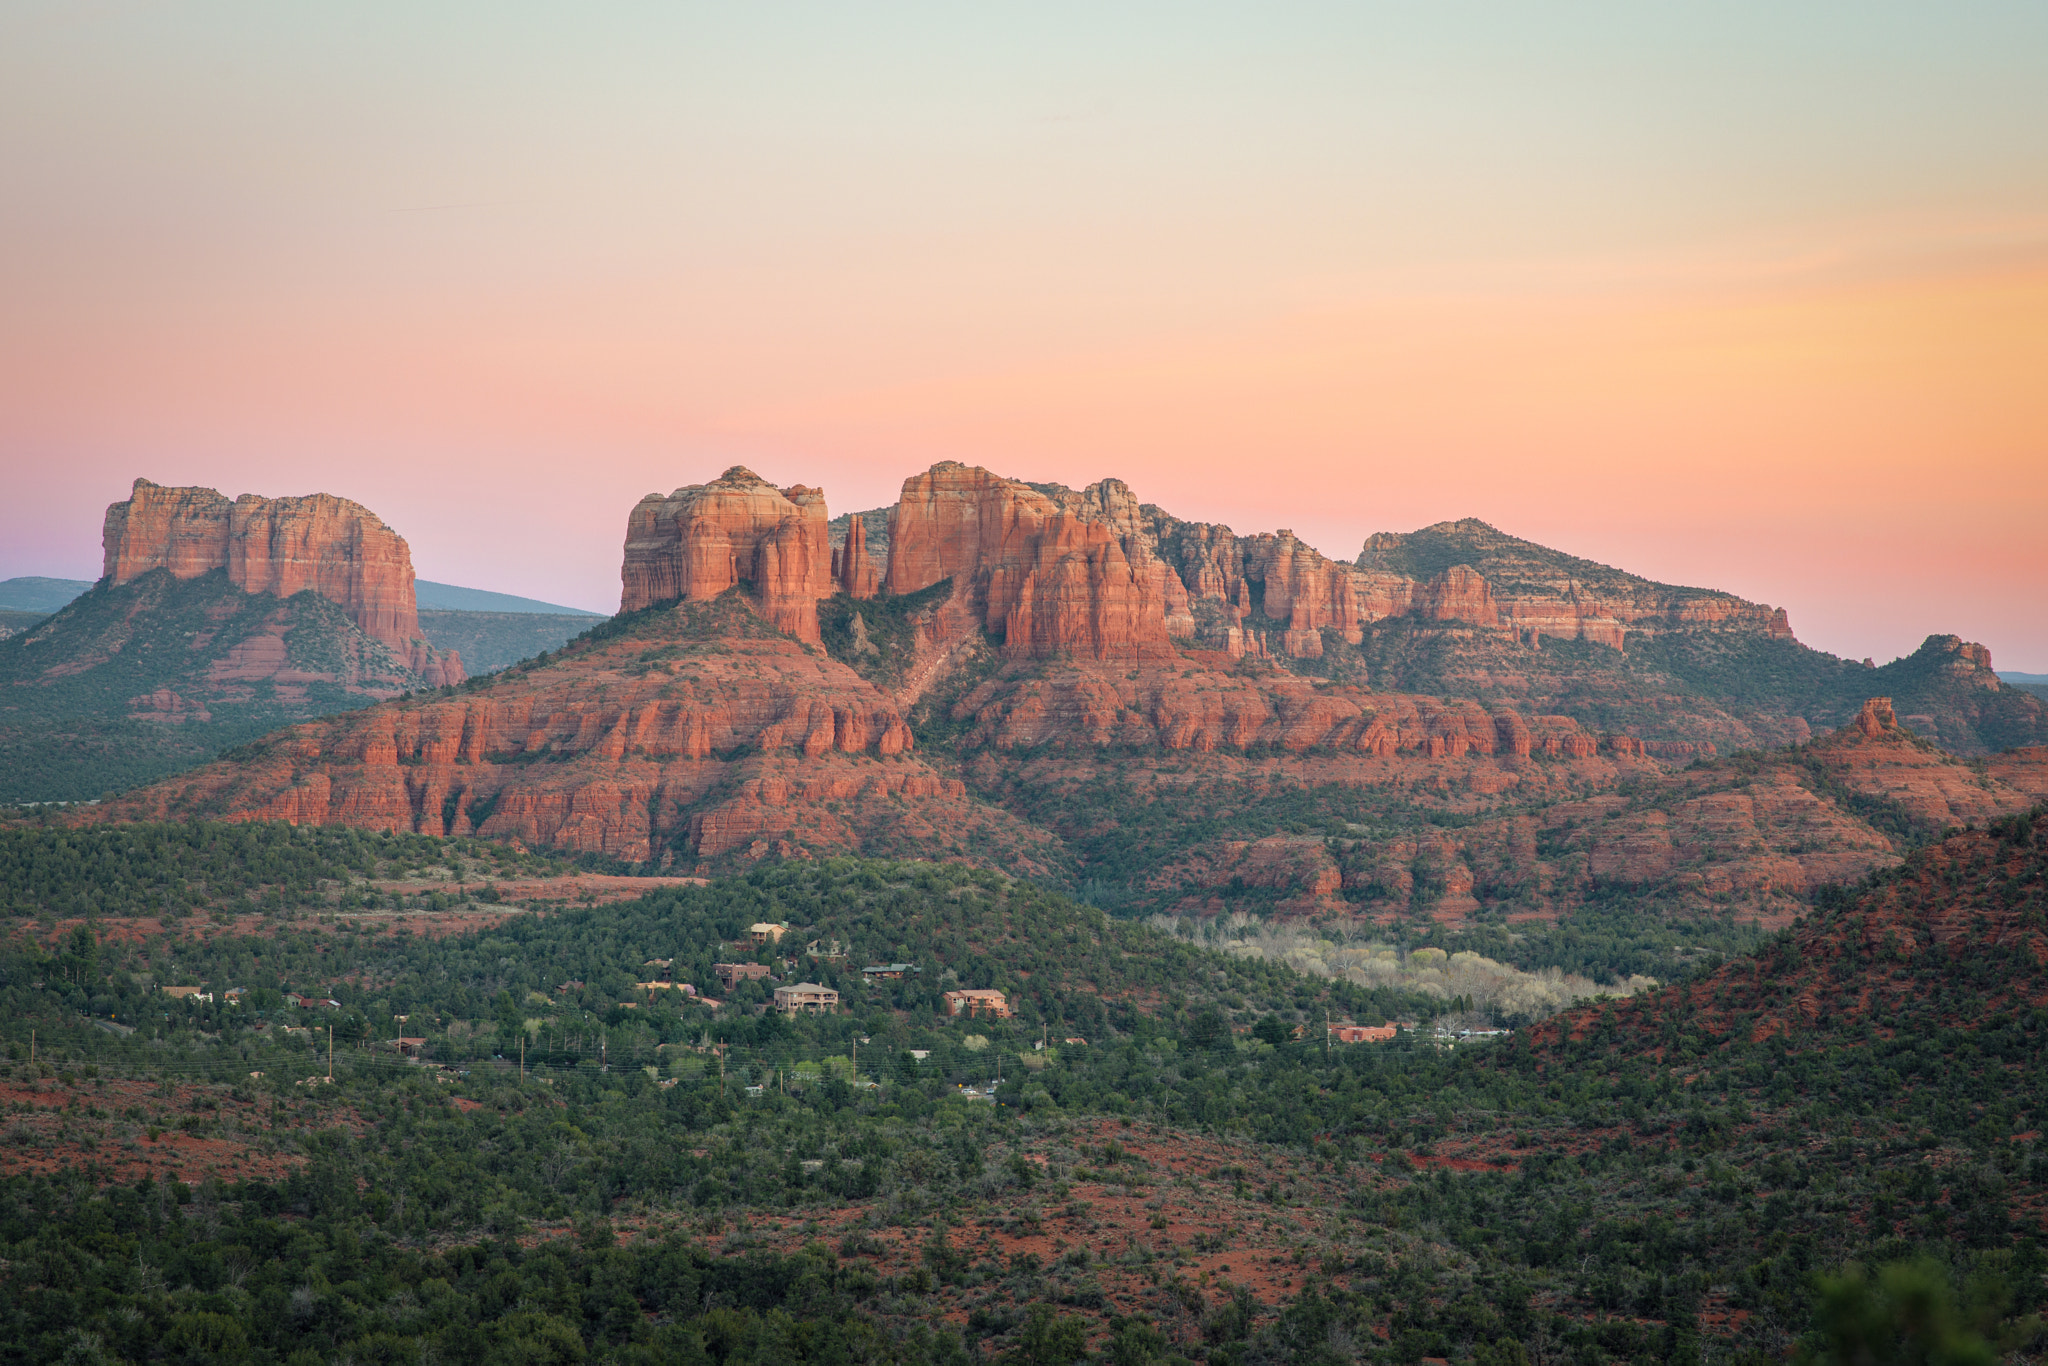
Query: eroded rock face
(726, 742)
(1048, 580)
(336, 548)
(738, 529)
(853, 571)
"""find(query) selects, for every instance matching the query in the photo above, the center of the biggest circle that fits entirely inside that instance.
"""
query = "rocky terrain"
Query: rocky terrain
(1460, 727)
(215, 621)
(1953, 936)
(675, 733)
(279, 546)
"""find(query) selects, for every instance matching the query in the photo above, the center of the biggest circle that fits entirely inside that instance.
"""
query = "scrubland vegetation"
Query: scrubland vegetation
(584, 1168)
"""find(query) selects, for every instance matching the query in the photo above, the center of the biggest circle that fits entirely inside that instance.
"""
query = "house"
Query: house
(1354, 1033)
(806, 998)
(569, 986)
(188, 993)
(731, 974)
(657, 986)
(831, 952)
(409, 1047)
(978, 1001)
(888, 972)
(761, 932)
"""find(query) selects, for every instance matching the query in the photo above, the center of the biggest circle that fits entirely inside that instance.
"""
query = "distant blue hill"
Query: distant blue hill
(446, 597)
(2007, 675)
(39, 595)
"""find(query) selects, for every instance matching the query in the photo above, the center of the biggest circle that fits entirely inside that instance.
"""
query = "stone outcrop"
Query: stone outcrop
(1540, 592)
(1043, 554)
(1209, 713)
(331, 546)
(739, 529)
(1046, 580)
(853, 570)
(752, 747)
(1240, 699)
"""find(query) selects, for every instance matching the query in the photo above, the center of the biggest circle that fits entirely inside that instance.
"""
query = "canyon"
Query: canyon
(1458, 726)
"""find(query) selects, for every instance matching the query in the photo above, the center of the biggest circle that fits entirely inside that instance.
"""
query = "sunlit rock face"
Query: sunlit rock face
(336, 548)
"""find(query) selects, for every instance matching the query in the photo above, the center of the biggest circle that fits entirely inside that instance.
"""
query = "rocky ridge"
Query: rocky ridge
(690, 730)
(215, 622)
(1206, 720)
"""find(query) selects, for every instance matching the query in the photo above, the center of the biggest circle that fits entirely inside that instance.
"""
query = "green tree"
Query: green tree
(1904, 1316)
(1050, 1339)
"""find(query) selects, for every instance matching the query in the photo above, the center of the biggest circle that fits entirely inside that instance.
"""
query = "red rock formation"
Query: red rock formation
(754, 741)
(1047, 580)
(1558, 595)
(338, 549)
(1307, 591)
(1212, 713)
(707, 538)
(1877, 756)
(852, 569)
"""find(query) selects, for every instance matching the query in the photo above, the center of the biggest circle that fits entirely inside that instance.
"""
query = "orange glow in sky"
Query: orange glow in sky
(1738, 300)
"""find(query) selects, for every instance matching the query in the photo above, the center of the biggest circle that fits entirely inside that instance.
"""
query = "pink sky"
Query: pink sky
(1718, 300)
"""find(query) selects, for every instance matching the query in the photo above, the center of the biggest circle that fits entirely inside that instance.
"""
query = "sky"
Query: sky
(1745, 296)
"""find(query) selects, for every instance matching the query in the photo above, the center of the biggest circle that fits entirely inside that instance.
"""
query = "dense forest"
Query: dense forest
(581, 1167)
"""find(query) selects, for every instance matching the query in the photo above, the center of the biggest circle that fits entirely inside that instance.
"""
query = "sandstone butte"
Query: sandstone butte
(1093, 574)
(282, 546)
(706, 726)
(725, 743)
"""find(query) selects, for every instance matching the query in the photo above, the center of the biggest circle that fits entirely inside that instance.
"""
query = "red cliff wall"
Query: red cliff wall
(706, 538)
(1050, 579)
(338, 549)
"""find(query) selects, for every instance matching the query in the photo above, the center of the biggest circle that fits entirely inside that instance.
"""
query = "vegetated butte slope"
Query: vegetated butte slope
(213, 622)
(692, 729)
(1955, 938)
(130, 682)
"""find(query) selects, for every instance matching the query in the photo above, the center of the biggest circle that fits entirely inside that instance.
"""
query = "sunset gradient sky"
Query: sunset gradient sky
(1748, 296)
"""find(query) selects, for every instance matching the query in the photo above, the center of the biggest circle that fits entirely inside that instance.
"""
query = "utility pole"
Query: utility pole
(1326, 1031)
(330, 1052)
(522, 1060)
(721, 1071)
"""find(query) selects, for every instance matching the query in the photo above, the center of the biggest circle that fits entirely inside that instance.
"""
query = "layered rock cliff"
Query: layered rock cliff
(1093, 573)
(1072, 681)
(687, 733)
(1546, 593)
(281, 546)
(704, 539)
(1045, 580)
